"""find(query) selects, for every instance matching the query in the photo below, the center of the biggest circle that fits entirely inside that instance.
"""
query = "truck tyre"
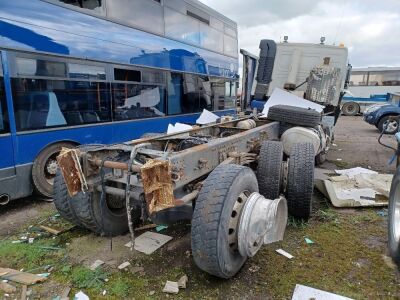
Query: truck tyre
(106, 216)
(392, 126)
(216, 217)
(394, 219)
(350, 109)
(300, 180)
(269, 169)
(294, 115)
(63, 201)
(45, 167)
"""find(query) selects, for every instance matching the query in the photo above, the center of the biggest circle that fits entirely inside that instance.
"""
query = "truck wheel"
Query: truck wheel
(45, 167)
(63, 201)
(269, 169)
(216, 217)
(107, 217)
(394, 219)
(295, 115)
(300, 181)
(391, 126)
(350, 109)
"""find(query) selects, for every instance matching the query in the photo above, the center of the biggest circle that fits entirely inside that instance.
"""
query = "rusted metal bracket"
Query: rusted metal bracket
(68, 162)
(157, 185)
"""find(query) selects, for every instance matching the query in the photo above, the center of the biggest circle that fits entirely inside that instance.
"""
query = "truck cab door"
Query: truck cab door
(249, 72)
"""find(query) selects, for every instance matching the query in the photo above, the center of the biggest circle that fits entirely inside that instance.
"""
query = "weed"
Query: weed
(84, 278)
(120, 287)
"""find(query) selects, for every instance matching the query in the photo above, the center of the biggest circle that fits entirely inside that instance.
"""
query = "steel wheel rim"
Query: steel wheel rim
(391, 126)
(350, 108)
(234, 220)
(395, 215)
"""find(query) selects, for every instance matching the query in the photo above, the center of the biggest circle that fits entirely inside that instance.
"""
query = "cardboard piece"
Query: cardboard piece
(21, 277)
(302, 292)
(281, 97)
(149, 242)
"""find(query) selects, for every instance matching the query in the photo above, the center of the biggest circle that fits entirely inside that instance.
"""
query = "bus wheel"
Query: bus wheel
(216, 217)
(394, 218)
(45, 167)
(350, 109)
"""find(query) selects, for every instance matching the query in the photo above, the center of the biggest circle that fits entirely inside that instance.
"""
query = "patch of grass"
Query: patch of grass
(83, 278)
(27, 256)
(120, 287)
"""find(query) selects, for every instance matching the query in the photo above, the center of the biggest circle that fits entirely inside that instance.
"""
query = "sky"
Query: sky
(370, 29)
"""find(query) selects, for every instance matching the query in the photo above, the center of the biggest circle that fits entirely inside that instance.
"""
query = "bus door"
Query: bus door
(7, 159)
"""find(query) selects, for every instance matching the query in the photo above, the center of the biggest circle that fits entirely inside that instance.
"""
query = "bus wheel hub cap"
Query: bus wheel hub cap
(52, 167)
(262, 221)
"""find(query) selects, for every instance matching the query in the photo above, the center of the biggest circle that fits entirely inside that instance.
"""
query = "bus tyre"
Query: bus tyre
(295, 115)
(45, 167)
(300, 180)
(350, 109)
(216, 217)
(390, 126)
(394, 219)
(63, 202)
(269, 169)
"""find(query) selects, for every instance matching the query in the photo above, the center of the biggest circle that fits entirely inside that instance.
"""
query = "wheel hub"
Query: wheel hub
(52, 166)
(262, 221)
(391, 126)
(234, 220)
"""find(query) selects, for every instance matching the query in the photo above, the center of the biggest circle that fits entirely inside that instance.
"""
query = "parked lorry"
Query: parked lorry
(316, 72)
(236, 180)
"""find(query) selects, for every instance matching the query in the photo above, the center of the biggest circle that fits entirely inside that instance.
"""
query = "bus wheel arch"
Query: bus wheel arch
(45, 166)
(350, 108)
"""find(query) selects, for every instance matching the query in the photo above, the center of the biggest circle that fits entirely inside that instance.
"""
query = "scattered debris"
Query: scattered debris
(51, 230)
(96, 264)
(281, 97)
(207, 117)
(284, 253)
(137, 270)
(254, 269)
(178, 127)
(308, 241)
(161, 228)
(21, 277)
(152, 293)
(81, 296)
(149, 242)
(355, 187)
(24, 292)
(145, 227)
(182, 282)
(339, 159)
(65, 293)
(7, 288)
(171, 287)
(353, 172)
(302, 292)
(30, 240)
(382, 213)
(334, 145)
(44, 275)
(124, 265)
(104, 293)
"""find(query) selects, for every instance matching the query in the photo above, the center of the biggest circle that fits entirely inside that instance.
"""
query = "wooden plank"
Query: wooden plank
(21, 277)
(51, 230)
(24, 290)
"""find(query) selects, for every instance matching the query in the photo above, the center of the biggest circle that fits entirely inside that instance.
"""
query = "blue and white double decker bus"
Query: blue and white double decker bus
(104, 71)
